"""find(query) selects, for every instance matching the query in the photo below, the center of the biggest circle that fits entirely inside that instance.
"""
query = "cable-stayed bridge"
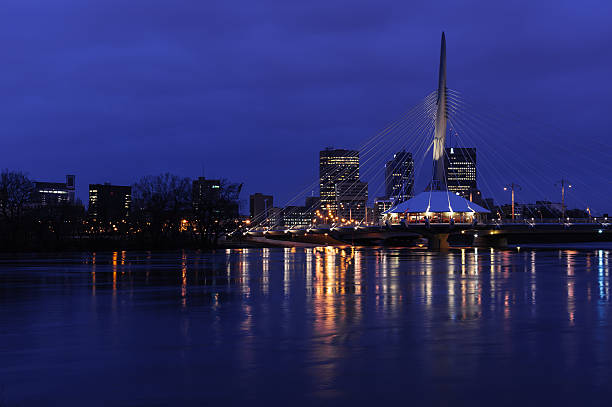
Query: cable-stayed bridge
(437, 216)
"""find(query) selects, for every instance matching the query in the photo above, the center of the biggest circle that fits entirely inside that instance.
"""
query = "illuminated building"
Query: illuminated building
(275, 217)
(259, 206)
(336, 166)
(399, 177)
(380, 206)
(53, 193)
(109, 205)
(211, 201)
(437, 206)
(205, 191)
(296, 216)
(460, 170)
(351, 200)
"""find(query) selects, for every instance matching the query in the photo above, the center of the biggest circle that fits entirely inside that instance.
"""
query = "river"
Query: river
(314, 326)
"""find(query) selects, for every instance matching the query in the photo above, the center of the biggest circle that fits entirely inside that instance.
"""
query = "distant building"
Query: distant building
(399, 177)
(313, 203)
(53, 193)
(259, 206)
(296, 216)
(351, 200)
(204, 191)
(275, 218)
(380, 206)
(336, 166)
(109, 205)
(460, 170)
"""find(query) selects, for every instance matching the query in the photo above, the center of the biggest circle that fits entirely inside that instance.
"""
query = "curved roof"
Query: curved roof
(437, 201)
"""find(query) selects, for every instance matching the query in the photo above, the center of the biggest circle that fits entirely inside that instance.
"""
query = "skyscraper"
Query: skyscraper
(399, 177)
(460, 170)
(336, 166)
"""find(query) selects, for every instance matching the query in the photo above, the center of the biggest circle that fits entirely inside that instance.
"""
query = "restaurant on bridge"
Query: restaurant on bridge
(437, 206)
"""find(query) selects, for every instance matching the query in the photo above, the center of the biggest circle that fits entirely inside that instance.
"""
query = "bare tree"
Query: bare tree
(15, 191)
(160, 201)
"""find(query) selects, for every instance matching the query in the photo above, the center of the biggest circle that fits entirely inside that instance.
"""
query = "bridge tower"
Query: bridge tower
(439, 178)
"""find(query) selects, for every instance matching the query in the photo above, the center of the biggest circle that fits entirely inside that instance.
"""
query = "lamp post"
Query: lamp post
(512, 187)
(563, 183)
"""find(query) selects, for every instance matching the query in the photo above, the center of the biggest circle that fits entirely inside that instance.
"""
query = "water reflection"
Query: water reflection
(265, 270)
(335, 279)
(603, 275)
(183, 280)
(571, 284)
(315, 314)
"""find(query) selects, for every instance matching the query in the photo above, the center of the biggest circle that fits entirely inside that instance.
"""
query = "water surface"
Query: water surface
(321, 326)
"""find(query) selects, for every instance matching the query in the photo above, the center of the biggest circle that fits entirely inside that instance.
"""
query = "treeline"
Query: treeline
(165, 214)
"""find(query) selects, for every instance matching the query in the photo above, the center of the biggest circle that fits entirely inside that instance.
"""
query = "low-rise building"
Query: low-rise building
(53, 193)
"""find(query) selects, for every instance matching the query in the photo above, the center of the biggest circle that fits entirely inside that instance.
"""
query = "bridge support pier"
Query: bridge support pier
(438, 241)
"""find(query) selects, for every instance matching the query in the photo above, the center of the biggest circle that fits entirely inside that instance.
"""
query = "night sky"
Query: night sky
(112, 90)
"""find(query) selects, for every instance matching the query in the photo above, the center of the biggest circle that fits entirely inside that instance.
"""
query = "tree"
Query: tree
(15, 191)
(160, 202)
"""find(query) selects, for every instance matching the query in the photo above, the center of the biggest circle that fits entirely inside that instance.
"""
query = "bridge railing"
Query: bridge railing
(604, 221)
(531, 221)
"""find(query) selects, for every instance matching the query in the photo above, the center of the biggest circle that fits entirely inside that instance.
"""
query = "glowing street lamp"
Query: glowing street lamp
(512, 187)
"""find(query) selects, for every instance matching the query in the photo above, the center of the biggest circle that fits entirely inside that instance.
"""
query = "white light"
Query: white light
(475, 234)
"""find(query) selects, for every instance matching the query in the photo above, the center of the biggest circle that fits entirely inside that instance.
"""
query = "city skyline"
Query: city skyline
(349, 168)
(348, 202)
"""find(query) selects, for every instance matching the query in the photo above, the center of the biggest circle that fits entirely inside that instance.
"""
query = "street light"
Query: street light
(512, 187)
(563, 183)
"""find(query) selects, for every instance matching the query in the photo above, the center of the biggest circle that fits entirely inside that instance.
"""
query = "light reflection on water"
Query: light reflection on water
(317, 324)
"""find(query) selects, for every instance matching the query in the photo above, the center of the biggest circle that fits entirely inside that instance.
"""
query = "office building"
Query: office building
(109, 205)
(380, 206)
(336, 166)
(351, 200)
(460, 170)
(296, 216)
(259, 206)
(53, 193)
(399, 177)
(205, 192)
(211, 199)
(274, 219)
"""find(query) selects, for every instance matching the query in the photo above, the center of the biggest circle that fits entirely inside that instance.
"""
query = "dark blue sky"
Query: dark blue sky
(251, 90)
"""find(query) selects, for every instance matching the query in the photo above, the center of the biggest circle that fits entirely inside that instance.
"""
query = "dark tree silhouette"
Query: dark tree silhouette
(15, 191)
(160, 202)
